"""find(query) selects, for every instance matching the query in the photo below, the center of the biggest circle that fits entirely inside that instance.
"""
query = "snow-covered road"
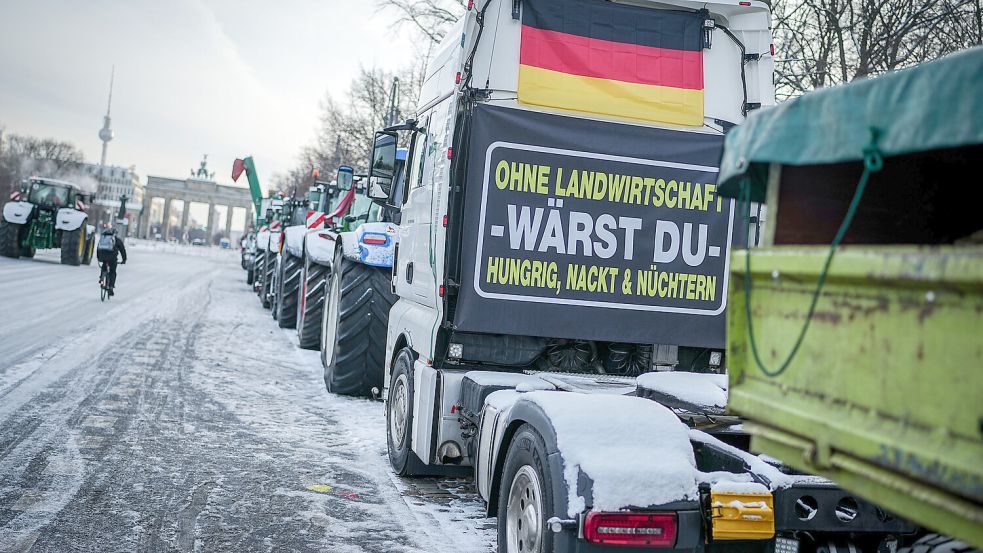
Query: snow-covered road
(178, 417)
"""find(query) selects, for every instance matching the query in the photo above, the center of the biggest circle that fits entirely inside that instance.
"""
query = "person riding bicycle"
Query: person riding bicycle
(110, 245)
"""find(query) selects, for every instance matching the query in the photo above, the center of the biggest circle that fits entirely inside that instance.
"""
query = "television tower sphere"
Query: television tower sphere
(105, 133)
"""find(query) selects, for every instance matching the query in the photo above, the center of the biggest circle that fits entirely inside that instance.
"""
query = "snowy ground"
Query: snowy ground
(178, 417)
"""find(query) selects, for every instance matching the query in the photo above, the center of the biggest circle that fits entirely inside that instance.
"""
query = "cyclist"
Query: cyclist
(110, 245)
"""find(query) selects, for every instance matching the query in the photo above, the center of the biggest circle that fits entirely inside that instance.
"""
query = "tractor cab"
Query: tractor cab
(51, 194)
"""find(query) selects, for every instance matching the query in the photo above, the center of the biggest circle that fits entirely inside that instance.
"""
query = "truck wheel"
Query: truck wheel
(90, 248)
(936, 543)
(258, 272)
(353, 332)
(10, 239)
(287, 288)
(72, 246)
(311, 308)
(399, 418)
(268, 267)
(525, 496)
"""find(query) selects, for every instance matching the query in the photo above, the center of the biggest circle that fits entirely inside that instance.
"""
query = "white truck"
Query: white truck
(561, 276)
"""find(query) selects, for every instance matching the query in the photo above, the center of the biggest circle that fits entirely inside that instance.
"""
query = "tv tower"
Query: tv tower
(106, 133)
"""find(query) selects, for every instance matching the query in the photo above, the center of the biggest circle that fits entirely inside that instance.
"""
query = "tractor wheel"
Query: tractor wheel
(250, 276)
(28, 251)
(9, 239)
(353, 333)
(288, 286)
(90, 248)
(72, 246)
(310, 310)
(269, 266)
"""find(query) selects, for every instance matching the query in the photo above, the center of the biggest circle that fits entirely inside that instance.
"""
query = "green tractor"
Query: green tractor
(46, 214)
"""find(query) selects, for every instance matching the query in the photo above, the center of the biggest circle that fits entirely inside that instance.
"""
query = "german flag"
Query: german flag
(599, 57)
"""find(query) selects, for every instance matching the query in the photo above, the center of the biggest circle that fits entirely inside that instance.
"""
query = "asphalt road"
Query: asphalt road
(177, 417)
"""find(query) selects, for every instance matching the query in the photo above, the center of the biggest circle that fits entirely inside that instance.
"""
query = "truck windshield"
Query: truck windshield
(48, 195)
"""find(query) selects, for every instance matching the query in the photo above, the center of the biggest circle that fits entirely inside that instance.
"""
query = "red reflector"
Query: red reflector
(744, 3)
(639, 529)
(470, 4)
(325, 235)
(457, 78)
(440, 291)
(373, 240)
(773, 49)
(445, 220)
(450, 153)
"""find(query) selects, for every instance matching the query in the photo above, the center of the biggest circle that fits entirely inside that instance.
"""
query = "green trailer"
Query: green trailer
(855, 333)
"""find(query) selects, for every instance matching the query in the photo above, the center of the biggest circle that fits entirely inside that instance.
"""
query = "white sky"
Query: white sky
(228, 78)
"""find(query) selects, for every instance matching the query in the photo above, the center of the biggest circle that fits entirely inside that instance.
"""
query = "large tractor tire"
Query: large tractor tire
(10, 239)
(28, 251)
(288, 286)
(269, 266)
(90, 248)
(250, 276)
(311, 304)
(353, 332)
(258, 270)
(72, 246)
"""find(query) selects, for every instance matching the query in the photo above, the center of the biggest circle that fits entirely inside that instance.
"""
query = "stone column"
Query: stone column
(166, 221)
(184, 219)
(208, 223)
(228, 222)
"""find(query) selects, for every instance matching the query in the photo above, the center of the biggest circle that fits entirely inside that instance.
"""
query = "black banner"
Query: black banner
(591, 230)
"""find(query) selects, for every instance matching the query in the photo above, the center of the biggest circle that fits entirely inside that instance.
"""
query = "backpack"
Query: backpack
(107, 244)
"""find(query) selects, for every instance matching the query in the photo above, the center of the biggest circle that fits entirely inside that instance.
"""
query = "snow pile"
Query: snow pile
(519, 381)
(654, 459)
(738, 487)
(294, 239)
(776, 478)
(709, 390)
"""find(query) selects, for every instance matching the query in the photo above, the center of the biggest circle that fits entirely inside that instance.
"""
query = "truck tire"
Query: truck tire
(90, 248)
(10, 239)
(937, 543)
(288, 286)
(353, 333)
(310, 310)
(525, 497)
(399, 418)
(258, 271)
(72, 246)
(269, 266)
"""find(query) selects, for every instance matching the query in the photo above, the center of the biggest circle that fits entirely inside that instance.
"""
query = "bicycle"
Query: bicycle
(104, 281)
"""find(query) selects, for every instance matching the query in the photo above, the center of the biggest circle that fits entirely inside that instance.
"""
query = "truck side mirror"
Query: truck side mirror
(383, 166)
(346, 178)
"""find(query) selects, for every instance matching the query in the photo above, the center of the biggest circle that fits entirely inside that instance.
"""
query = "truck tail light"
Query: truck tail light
(374, 239)
(634, 529)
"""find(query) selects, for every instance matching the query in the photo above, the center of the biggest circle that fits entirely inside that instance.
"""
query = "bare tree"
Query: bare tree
(23, 156)
(431, 18)
(827, 42)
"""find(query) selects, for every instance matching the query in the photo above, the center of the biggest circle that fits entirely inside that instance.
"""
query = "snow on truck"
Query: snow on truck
(561, 278)
(47, 214)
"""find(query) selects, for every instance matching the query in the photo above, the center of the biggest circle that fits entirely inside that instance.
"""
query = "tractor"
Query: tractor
(47, 214)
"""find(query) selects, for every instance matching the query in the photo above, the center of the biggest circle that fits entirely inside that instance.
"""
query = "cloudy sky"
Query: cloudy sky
(224, 77)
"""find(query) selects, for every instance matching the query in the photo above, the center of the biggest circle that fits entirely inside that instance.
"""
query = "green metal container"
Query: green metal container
(884, 394)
